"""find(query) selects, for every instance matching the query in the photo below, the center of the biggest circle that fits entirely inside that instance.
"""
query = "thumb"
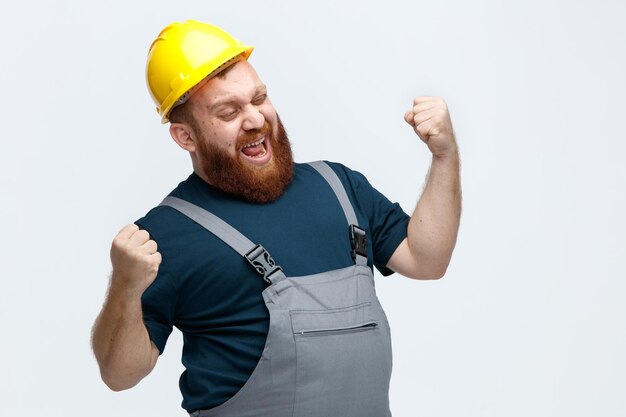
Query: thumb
(408, 117)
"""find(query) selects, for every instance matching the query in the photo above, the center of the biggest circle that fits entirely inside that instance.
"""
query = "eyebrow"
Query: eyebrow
(261, 89)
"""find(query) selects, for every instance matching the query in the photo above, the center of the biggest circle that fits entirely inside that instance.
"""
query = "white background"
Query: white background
(530, 319)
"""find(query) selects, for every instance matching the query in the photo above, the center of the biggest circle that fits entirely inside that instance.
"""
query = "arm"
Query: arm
(120, 339)
(433, 228)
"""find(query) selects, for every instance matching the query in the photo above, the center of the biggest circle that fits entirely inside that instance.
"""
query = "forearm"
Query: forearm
(121, 342)
(433, 228)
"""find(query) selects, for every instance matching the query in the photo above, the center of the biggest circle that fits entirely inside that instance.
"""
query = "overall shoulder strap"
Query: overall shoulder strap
(357, 234)
(257, 255)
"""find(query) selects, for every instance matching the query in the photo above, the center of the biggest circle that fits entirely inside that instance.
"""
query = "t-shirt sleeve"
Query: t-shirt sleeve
(158, 304)
(387, 221)
(389, 228)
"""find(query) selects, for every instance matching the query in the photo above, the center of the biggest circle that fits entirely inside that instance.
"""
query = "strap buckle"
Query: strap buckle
(358, 240)
(262, 262)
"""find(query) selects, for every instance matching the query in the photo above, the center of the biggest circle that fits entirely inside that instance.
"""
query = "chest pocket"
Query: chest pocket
(309, 323)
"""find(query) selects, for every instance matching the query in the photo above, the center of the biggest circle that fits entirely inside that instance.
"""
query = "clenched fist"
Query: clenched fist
(135, 259)
(431, 121)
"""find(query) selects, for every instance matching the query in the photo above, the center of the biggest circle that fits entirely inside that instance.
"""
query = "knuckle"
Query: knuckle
(118, 245)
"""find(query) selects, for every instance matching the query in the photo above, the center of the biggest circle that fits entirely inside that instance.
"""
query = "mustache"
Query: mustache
(252, 136)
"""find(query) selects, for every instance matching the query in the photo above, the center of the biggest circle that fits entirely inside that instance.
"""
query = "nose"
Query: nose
(254, 118)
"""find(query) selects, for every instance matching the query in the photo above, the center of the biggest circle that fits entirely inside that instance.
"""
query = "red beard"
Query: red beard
(257, 184)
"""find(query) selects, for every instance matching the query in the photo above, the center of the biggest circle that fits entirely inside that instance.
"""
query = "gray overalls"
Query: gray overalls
(328, 349)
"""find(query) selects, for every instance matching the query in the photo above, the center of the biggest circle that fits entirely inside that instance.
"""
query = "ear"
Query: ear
(183, 136)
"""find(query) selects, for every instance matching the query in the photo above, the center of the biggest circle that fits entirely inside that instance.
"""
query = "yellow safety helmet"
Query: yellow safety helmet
(183, 57)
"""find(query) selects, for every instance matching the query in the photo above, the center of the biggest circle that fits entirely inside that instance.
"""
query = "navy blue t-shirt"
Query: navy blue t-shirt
(213, 295)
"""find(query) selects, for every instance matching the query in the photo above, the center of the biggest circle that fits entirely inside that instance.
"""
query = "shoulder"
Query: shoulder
(343, 170)
(163, 221)
(351, 179)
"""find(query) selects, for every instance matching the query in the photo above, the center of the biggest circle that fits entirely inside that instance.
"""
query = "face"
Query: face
(241, 145)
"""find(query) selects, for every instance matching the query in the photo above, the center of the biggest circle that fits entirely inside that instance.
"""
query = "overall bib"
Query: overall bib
(328, 349)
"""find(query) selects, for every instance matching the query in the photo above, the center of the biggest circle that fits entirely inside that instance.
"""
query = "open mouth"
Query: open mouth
(257, 152)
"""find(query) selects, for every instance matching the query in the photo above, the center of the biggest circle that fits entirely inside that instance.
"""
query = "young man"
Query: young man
(263, 264)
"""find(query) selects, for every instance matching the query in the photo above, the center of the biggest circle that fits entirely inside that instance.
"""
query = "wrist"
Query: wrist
(449, 154)
(125, 288)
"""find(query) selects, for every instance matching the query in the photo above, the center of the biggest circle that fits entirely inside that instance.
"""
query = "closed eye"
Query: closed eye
(260, 99)
(228, 115)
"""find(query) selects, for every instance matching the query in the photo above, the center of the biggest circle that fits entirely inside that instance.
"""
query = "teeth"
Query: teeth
(255, 143)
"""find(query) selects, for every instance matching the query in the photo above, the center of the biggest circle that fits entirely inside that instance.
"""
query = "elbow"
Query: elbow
(122, 374)
(426, 264)
(113, 386)
(438, 267)
(439, 271)
(430, 272)
(118, 380)
(429, 275)
(438, 274)
(117, 384)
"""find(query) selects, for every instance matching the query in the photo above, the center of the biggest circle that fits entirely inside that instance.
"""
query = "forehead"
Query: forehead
(240, 81)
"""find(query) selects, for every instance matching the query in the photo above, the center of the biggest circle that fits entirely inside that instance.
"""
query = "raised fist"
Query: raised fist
(135, 259)
(430, 119)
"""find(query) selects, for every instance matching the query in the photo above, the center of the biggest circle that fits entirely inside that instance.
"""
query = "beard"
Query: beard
(258, 184)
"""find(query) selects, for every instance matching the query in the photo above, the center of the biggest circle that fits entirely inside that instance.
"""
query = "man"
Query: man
(300, 331)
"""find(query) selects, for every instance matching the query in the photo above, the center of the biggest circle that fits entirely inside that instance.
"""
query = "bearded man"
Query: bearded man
(265, 265)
